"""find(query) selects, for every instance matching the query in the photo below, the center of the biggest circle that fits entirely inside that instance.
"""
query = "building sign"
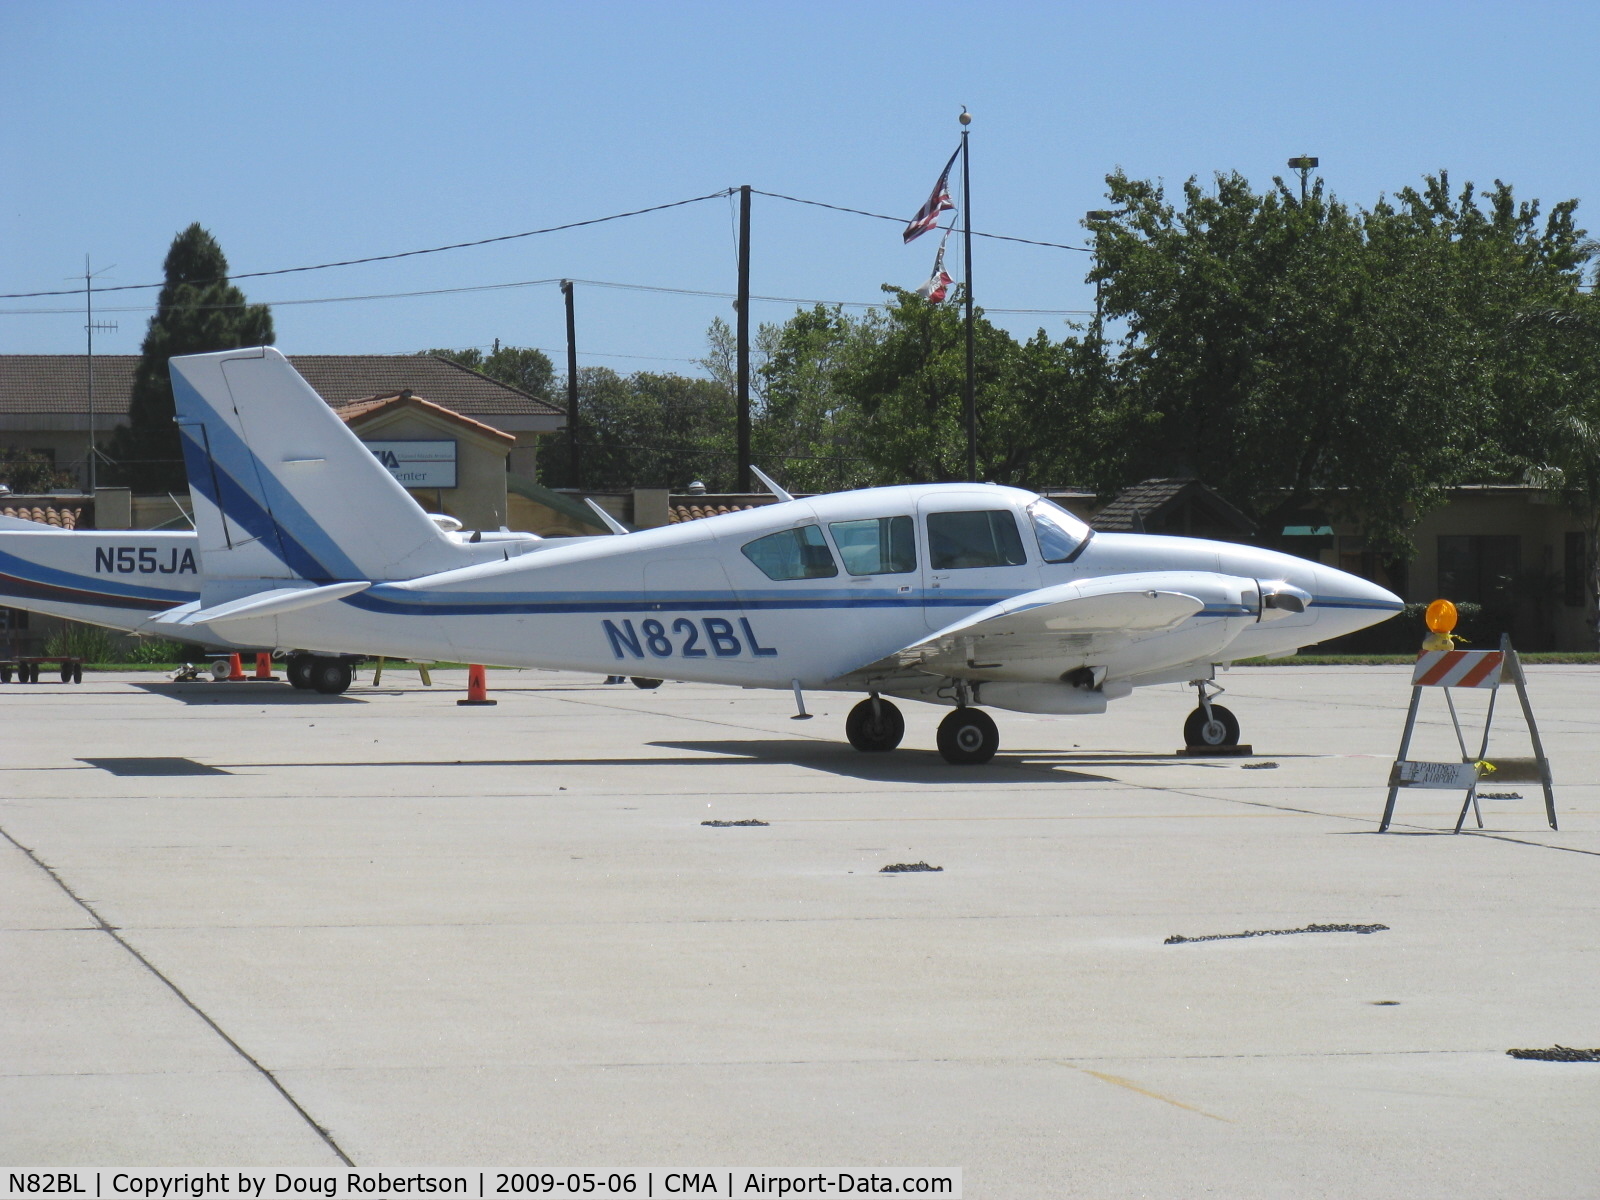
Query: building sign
(418, 464)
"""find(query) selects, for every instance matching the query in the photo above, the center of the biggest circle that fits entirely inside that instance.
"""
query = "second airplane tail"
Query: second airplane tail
(282, 489)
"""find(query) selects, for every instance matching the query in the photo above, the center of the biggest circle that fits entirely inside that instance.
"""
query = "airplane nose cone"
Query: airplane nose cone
(1347, 602)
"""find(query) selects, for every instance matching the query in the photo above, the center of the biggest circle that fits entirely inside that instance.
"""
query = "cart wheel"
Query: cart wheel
(5, 674)
(77, 672)
(66, 672)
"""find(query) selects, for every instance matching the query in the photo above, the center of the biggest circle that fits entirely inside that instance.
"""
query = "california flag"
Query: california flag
(938, 285)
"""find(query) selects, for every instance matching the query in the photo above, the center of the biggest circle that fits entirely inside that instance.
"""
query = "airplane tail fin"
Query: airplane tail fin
(282, 489)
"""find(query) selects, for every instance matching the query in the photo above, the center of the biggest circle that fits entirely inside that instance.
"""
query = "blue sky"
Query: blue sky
(305, 133)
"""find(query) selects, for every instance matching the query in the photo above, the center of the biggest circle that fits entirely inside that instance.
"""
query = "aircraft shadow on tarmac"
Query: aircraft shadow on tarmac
(902, 766)
(211, 693)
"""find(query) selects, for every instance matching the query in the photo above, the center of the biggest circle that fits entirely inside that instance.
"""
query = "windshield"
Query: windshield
(1061, 535)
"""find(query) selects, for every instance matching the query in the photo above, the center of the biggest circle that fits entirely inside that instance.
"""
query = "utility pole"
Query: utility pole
(743, 335)
(89, 327)
(966, 215)
(573, 462)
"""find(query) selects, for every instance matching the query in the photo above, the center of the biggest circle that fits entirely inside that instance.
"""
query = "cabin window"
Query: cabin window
(1061, 535)
(876, 546)
(958, 540)
(792, 554)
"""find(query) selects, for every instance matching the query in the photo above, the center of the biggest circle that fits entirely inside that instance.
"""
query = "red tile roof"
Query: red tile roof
(62, 518)
(679, 513)
(59, 383)
(361, 410)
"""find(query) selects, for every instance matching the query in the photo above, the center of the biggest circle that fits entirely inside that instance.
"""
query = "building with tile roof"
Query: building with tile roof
(46, 404)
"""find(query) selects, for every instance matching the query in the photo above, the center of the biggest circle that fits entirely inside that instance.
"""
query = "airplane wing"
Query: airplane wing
(1039, 634)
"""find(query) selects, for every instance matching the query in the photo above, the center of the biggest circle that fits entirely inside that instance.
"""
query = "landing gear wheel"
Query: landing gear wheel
(968, 737)
(5, 675)
(299, 671)
(66, 672)
(330, 676)
(77, 672)
(875, 726)
(642, 683)
(1221, 730)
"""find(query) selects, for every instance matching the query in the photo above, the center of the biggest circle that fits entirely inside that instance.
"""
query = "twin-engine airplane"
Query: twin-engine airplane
(965, 595)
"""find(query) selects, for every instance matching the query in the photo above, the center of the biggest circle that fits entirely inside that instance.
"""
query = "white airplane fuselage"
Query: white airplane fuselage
(686, 602)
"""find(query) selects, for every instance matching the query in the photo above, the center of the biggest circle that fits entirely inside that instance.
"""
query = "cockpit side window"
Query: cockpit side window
(988, 538)
(876, 546)
(792, 554)
(1061, 535)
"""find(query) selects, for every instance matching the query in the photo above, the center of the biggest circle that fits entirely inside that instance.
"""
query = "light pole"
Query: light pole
(1305, 164)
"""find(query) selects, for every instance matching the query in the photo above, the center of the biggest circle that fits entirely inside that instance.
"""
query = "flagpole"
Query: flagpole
(966, 215)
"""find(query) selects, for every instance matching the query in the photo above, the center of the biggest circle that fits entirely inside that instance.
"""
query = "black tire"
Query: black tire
(5, 675)
(968, 737)
(77, 672)
(330, 676)
(645, 684)
(33, 673)
(1221, 730)
(875, 726)
(299, 671)
(66, 672)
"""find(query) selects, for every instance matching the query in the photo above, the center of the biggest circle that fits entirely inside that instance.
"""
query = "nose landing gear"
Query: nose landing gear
(1210, 724)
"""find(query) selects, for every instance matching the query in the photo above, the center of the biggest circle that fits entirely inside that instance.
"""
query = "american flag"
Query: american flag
(928, 215)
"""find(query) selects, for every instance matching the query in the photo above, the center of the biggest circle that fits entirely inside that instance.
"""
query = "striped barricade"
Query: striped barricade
(1459, 668)
(1465, 669)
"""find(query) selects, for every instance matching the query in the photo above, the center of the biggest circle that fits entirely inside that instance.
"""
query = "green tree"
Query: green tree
(198, 312)
(806, 429)
(29, 472)
(906, 378)
(525, 368)
(646, 430)
(1293, 352)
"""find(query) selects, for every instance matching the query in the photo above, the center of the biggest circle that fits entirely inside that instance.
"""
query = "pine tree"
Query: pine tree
(199, 311)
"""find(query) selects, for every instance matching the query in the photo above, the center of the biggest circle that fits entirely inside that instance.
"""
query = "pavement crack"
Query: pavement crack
(115, 934)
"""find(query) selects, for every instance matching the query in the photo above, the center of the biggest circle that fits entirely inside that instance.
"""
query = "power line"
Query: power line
(352, 262)
(523, 283)
(861, 212)
(510, 237)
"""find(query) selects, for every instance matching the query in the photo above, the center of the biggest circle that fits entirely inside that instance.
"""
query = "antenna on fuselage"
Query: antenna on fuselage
(767, 479)
(612, 523)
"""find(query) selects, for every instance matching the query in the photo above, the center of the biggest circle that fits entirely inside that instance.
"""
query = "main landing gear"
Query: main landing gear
(1210, 724)
(875, 726)
(967, 736)
(322, 673)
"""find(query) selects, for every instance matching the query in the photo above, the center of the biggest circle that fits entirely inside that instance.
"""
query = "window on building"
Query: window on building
(957, 540)
(793, 554)
(1574, 570)
(876, 546)
(1479, 568)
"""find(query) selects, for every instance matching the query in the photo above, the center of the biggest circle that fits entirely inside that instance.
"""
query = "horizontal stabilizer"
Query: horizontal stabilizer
(262, 604)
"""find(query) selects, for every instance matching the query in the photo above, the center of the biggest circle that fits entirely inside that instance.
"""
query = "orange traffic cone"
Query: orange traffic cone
(263, 668)
(237, 673)
(477, 686)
